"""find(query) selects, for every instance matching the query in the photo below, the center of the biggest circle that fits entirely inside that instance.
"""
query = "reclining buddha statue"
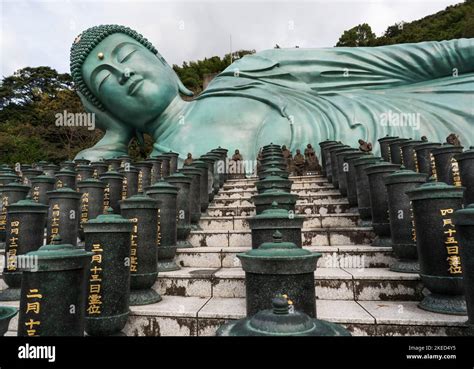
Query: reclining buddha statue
(284, 96)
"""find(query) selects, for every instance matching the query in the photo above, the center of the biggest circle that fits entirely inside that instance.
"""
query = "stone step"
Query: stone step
(238, 193)
(311, 186)
(308, 178)
(230, 223)
(307, 200)
(310, 237)
(365, 284)
(247, 196)
(251, 179)
(329, 207)
(295, 179)
(239, 187)
(304, 191)
(250, 186)
(202, 316)
(332, 256)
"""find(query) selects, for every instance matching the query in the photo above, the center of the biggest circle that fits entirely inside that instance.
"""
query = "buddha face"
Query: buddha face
(133, 84)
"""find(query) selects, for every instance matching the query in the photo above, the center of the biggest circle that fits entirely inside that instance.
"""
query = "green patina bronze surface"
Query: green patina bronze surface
(284, 96)
(6, 314)
(280, 321)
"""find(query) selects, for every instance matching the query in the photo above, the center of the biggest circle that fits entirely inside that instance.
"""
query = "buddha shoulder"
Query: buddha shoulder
(233, 109)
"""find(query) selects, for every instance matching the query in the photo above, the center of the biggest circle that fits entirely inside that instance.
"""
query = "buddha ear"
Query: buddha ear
(182, 88)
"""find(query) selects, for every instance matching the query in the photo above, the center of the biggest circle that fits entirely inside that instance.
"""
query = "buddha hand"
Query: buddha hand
(116, 139)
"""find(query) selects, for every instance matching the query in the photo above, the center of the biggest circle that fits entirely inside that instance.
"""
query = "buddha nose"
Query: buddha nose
(125, 75)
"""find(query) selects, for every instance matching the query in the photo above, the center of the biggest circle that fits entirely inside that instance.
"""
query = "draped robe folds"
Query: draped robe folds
(406, 90)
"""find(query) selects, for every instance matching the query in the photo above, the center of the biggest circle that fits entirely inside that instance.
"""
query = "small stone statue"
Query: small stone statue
(453, 139)
(311, 160)
(299, 162)
(240, 169)
(287, 156)
(365, 146)
(189, 160)
(291, 164)
(237, 156)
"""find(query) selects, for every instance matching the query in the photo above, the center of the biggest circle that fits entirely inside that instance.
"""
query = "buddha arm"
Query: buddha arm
(114, 143)
(116, 139)
(339, 69)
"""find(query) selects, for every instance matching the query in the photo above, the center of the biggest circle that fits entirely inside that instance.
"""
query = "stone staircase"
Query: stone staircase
(354, 286)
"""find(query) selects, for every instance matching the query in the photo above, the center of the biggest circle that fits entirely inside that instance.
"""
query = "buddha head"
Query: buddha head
(119, 71)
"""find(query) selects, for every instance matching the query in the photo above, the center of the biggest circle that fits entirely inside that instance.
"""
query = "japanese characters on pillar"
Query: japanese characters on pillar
(35, 193)
(84, 208)
(415, 160)
(3, 214)
(433, 166)
(54, 221)
(140, 181)
(32, 311)
(134, 246)
(94, 300)
(158, 228)
(450, 242)
(124, 188)
(106, 197)
(456, 173)
(13, 245)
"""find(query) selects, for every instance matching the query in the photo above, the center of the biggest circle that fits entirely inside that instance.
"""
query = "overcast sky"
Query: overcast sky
(40, 32)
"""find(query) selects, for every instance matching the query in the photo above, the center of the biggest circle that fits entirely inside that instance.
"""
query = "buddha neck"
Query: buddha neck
(167, 121)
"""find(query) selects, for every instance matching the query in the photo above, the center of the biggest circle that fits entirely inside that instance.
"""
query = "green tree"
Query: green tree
(360, 35)
(29, 101)
(28, 84)
(192, 73)
(456, 21)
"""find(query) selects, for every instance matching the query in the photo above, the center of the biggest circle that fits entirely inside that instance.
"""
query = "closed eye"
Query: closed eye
(126, 57)
(103, 80)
